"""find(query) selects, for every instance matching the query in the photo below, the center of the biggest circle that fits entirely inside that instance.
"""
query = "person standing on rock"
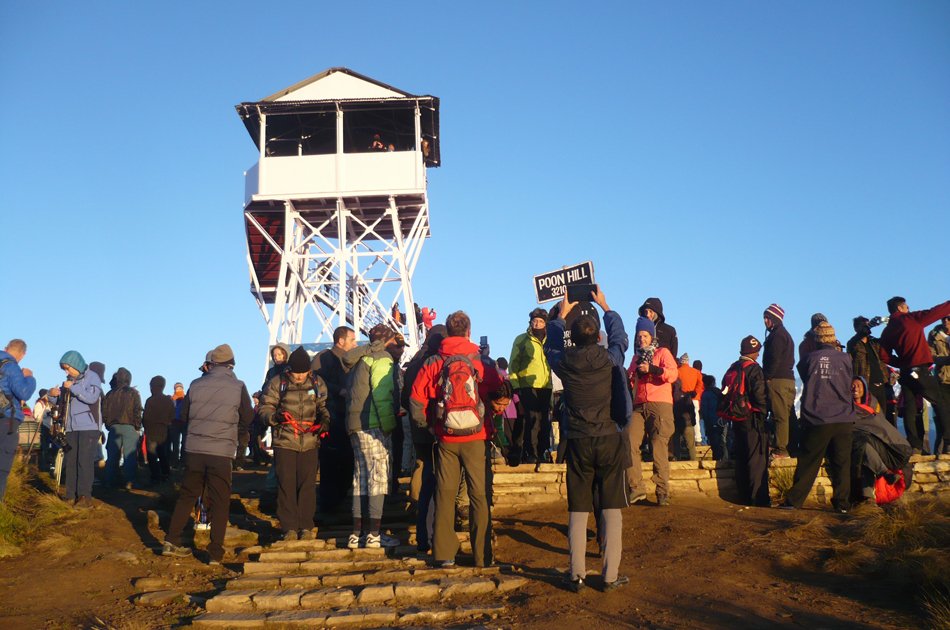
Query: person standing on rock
(157, 417)
(122, 415)
(652, 373)
(16, 385)
(593, 379)
(336, 453)
(447, 397)
(530, 376)
(294, 405)
(218, 411)
(778, 365)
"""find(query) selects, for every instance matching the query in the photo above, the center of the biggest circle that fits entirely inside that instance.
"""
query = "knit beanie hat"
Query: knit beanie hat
(749, 346)
(74, 360)
(684, 360)
(645, 323)
(299, 361)
(825, 333)
(817, 318)
(222, 354)
(775, 312)
(538, 312)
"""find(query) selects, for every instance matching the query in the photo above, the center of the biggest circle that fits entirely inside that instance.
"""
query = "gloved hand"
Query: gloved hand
(656, 370)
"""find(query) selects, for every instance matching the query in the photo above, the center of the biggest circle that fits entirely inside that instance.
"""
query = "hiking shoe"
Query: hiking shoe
(375, 541)
(787, 505)
(307, 534)
(620, 581)
(637, 497)
(445, 564)
(290, 535)
(575, 585)
(169, 549)
(353, 542)
(662, 500)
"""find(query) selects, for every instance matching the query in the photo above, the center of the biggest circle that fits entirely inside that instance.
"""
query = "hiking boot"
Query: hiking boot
(637, 497)
(445, 564)
(662, 500)
(353, 542)
(307, 534)
(575, 585)
(169, 549)
(290, 536)
(388, 541)
(620, 581)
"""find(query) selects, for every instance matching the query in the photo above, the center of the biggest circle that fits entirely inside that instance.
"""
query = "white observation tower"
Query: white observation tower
(335, 209)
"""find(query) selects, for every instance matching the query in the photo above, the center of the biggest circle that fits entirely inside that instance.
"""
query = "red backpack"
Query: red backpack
(461, 411)
(735, 404)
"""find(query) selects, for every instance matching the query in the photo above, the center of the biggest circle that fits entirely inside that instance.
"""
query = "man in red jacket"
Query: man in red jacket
(905, 347)
(447, 398)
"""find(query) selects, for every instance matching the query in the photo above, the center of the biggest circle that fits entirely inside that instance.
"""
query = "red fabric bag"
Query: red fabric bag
(885, 493)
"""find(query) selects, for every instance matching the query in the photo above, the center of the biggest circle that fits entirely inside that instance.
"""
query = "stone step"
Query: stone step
(368, 616)
(402, 592)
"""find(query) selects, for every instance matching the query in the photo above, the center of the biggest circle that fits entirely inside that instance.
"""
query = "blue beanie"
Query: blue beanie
(74, 360)
(645, 323)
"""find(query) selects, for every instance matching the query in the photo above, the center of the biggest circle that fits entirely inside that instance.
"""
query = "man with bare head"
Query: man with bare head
(16, 385)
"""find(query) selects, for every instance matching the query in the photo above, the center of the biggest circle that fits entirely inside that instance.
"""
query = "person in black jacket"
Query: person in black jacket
(751, 435)
(335, 453)
(652, 308)
(595, 451)
(422, 483)
(828, 418)
(778, 363)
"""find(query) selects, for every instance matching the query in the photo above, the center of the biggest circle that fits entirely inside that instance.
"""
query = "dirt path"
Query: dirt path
(701, 563)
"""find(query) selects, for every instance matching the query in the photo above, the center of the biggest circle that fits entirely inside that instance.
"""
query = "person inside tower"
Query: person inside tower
(377, 143)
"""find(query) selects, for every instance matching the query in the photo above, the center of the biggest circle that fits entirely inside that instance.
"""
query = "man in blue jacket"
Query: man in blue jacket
(596, 402)
(828, 418)
(16, 385)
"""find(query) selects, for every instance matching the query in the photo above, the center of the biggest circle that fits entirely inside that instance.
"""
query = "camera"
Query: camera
(877, 320)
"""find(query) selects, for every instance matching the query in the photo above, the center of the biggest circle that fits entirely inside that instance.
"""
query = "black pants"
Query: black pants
(296, 488)
(919, 382)
(752, 462)
(829, 441)
(207, 476)
(159, 456)
(531, 435)
(336, 475)
(79, 463)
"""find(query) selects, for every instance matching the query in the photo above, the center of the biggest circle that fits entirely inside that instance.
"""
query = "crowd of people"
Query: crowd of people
(353, 413)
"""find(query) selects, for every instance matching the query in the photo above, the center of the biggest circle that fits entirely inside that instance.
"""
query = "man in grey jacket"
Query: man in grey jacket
(218, 411)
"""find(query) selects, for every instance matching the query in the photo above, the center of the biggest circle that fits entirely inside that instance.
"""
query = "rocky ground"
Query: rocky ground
(703, 562)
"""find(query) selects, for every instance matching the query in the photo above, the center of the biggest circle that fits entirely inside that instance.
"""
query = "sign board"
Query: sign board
(552, 285)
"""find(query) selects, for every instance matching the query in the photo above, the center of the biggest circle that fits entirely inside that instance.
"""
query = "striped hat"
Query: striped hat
(776, 311)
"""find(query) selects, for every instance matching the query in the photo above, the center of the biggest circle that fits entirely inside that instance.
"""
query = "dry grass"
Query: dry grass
(937, 606)
(780, 482)
(29, 511)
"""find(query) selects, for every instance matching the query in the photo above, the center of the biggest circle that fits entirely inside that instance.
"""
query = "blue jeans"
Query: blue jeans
(122, 442)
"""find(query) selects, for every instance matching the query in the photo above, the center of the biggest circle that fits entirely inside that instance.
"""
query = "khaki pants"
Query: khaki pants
(782, 402)
(655, 419)
(450, 460)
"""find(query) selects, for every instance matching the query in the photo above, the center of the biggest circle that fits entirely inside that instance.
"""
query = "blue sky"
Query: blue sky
(721, 156)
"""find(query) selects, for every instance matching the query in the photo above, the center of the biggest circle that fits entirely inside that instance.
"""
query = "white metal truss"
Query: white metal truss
(344, 269)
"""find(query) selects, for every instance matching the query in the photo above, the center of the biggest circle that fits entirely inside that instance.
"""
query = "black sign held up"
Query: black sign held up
(552, 285)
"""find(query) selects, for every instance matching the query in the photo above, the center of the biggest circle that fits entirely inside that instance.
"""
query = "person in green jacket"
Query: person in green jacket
(372, 402)
(531, 379)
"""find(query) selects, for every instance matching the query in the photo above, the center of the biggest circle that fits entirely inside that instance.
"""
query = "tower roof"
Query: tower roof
(337, 83)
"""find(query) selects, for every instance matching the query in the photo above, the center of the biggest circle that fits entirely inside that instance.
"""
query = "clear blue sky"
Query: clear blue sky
(721, 156)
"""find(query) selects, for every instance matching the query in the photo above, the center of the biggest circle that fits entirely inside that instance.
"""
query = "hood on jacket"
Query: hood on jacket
(655, 305)
(457, 345)
(121, 378)
(866, 398)
(285, 348)
(434, 338)
(74, 360)
(99, 368)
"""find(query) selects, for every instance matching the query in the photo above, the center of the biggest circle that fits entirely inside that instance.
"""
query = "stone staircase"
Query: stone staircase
(319, 583)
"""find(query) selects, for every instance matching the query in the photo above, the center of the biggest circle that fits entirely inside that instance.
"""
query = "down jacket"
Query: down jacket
(305, 402)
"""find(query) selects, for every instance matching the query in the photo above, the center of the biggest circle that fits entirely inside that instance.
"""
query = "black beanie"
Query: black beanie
(538, 312)
(299, 361)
